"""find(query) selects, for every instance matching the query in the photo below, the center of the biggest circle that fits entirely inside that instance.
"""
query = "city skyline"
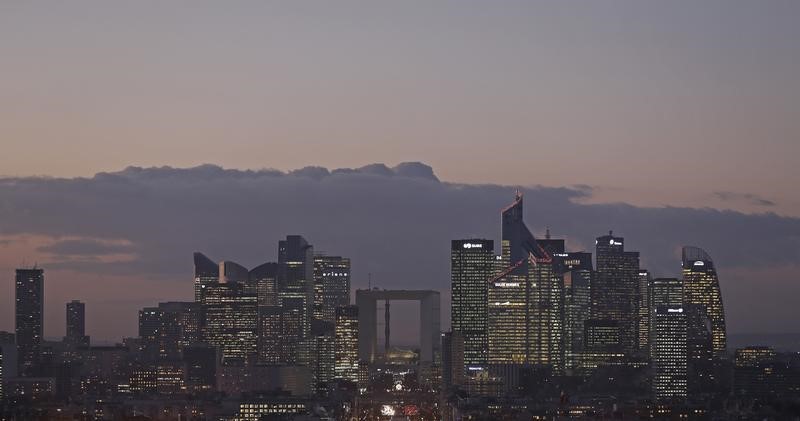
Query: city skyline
(77, 250)
(241, 210)
(538, 318)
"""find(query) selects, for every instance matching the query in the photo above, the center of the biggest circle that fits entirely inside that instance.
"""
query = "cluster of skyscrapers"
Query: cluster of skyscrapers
(532, 322)
(285, 325)
(538, 305)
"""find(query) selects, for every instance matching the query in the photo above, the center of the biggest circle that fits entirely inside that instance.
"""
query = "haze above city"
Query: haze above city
(672, 124)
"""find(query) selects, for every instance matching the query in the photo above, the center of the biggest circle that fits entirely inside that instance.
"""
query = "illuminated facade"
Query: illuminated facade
(296, 278)
(269, 408)
(471, 268)
(669, 348)
(615, 292)
(29, 309)
(269, 335)
(165, 330)
(346, 343)
(525, 299)
(263, 280)
(701, 287)
(331, 286)
(317, 352)
(231, 320)
(645, 305)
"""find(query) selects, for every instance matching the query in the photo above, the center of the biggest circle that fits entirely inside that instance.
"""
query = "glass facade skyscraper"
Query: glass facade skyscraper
(669, 349)
(471, 268)
(331, 286)
(615, 291)
(701, 288)
(296, 278)
(230, 313)
(525, 299)
(346, 343)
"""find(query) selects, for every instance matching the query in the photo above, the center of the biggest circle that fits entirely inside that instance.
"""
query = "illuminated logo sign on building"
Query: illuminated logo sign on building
(675, 310)
(699, 263)
(472, 246)
(506, 284)
(614, 242)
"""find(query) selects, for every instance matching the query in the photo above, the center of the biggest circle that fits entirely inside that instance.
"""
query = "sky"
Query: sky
(651, 107)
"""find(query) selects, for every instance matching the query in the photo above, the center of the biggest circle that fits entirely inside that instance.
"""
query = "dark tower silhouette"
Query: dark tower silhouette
(29, 308)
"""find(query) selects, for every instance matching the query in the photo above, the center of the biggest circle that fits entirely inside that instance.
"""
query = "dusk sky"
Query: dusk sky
(670, 122)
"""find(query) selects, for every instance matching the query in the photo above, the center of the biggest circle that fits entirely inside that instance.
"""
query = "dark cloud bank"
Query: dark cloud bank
(395, 223)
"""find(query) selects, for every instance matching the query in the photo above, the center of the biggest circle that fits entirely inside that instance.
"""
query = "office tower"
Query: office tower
(230, 272)
(263, 279)
(76, 325)
(701, 287)
(317, 352)
(8, 360)
(577, 311)
(293, 317)
(602, 336)
(668, 346)
(453, 360)
(325, 363)
(231, 320)
(645, 305)
(205, 272)
(346, 343)
(525, 299)
(296, 278)
(615, 293)
(29, 308)
(165, 330)
(471, 269)
(269, 334)
(331, 286)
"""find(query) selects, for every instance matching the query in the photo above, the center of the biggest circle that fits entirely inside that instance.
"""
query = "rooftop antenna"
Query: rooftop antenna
(369, 280)
(547, 233)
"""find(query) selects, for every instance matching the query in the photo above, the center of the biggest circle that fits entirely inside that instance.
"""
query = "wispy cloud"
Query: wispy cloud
(748, 198)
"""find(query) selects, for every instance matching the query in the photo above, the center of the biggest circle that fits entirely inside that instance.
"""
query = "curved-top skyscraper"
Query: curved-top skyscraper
(701, 287)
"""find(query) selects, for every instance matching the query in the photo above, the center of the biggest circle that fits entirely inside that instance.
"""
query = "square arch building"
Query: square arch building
(429, 320)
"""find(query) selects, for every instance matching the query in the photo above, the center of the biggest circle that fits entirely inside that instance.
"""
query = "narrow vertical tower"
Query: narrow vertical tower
(76, 324)
(29, 308)
(387, 329)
